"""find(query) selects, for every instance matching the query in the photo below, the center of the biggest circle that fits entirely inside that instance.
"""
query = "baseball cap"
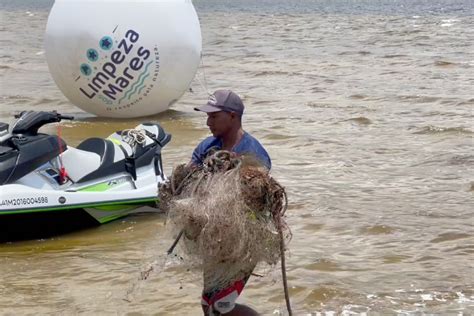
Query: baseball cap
(223, 100)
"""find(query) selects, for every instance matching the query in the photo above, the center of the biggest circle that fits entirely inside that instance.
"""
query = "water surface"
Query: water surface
(366, 108)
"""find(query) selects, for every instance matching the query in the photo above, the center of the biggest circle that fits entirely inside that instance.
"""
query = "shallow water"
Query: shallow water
(367, 111)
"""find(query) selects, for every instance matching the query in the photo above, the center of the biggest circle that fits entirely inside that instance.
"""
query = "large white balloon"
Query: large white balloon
(118, 58)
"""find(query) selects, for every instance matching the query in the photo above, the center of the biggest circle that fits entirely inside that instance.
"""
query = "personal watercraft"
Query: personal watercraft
(48, 187)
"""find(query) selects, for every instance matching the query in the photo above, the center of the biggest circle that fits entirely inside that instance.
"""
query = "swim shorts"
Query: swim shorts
(223, 301)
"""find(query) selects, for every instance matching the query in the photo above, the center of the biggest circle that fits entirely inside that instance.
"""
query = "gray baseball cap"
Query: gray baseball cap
(223, 100)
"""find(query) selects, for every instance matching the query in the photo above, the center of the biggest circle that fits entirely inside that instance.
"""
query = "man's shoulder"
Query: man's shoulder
(251, 140)
(252, 145)
(202, 148)
(208, 141)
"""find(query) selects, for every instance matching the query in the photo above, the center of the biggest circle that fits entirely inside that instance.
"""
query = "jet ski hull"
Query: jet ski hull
(55, 212)
(48, 222)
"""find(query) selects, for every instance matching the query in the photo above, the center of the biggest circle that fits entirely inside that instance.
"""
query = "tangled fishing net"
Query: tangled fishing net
(230, 212)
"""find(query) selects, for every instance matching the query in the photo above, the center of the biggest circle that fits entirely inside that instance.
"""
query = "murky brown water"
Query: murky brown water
(369, 122)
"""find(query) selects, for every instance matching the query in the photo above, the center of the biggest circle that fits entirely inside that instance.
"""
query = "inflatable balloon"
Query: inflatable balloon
(119, 58)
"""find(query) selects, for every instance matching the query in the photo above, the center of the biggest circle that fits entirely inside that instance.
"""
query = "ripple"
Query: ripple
(444, 63)
(272, 73)
(418, 98)
(427, 258)
(469, 102)
(17, 99)
(216, 42)
(360, 120)
(274, 136)
(464, 249)
(390, 259)
(394, 56)
(378, 230)
(312, 104)
(312, 227)
(449, 237)
(358, 96)
(430, 129)
(324, 293)
(460, 160)
(323, 265)
(362, 53)
(264, 102)
(45, 101)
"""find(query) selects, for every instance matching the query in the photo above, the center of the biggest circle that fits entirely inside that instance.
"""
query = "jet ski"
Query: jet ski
(48, 187)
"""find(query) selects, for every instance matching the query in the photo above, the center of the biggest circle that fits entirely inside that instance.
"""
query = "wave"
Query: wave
(444, 63)
(450, 236)
(360, 120)
(264, 102)
(469, 102)
(378, 230)
(275, 136)
(45, 101)
(358, 96)
(461, 160)
(272, 73)
(17, 99)
(430, 129)
(254, 54)
(418, 98)
(361, 52)
(216, 42)
(313, 104)
(394, 56)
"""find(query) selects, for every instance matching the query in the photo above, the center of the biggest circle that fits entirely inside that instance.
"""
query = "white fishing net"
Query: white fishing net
(231, 214)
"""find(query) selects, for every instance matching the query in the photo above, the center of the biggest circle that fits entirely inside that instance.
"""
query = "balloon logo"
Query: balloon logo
(134, 61)
(86, 69)
(92, 54)
(106, 43)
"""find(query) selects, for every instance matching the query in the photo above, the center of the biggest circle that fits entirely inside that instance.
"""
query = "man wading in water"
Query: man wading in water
(224, 118)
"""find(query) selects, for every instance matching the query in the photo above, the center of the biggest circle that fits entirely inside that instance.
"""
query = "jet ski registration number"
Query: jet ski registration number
(25, 201)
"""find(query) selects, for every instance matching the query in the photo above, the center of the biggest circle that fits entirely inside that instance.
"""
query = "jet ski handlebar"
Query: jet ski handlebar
(53, 113)
(29, 122)
(66, 117)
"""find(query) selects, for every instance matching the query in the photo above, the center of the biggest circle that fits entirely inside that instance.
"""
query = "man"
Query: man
(224, 118)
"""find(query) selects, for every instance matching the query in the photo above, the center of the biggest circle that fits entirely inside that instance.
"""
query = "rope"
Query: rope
(133, 136)
(62, 170)
(204, 77)
(282, 254)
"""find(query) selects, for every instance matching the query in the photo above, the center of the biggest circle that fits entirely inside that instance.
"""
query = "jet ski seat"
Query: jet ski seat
(113, 159)
(110, 162)
(103, 147)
